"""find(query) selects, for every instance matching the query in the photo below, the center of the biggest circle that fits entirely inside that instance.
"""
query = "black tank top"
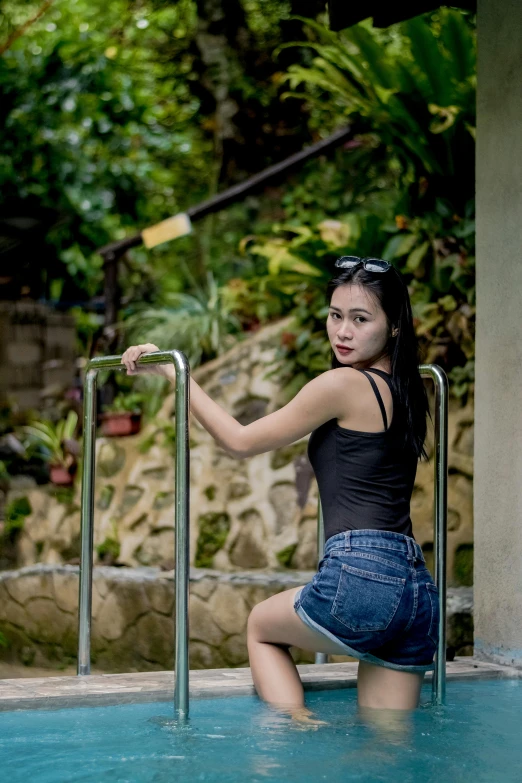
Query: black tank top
(365, 479)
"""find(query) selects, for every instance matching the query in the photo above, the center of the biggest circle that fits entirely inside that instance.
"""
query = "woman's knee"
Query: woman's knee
(254, 622)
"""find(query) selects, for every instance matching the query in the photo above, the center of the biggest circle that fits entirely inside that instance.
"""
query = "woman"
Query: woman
(372, 596)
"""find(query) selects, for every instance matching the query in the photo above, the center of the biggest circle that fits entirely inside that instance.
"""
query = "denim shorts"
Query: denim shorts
(374, 597)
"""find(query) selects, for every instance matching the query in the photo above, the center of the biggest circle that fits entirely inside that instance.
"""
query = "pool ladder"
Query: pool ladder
(181, 518)
(181, 515)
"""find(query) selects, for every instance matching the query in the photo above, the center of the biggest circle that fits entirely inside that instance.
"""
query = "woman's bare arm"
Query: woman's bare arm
(319, 401)
(322, 399)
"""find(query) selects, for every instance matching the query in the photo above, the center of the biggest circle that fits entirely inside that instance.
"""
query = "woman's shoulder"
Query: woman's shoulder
(341, 376)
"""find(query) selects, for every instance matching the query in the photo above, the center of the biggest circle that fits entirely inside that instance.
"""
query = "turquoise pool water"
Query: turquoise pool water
(476, 738)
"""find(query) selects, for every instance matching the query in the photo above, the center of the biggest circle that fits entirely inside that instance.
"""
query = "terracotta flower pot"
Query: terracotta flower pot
(61, 476)
(118, 424)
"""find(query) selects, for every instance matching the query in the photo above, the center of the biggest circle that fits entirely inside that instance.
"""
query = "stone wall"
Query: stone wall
(37, 350)
(258, 513)
(133, 625)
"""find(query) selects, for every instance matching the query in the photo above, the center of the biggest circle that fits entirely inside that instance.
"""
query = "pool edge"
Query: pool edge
(51, 693)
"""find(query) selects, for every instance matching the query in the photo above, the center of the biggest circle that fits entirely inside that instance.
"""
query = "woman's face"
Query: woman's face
(357, 327)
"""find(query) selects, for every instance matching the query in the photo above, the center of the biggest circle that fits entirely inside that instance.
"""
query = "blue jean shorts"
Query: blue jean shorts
(375, 599)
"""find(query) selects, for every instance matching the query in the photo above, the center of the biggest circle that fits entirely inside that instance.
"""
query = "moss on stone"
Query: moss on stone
(64, 495)
(131, 496)
(109, 550)
(158, 473)
(210, 492)
(163, 500)
(105, 497)
(213, 531)
(287, 454)
(15, 513)
(71, 553)
(111, 460)
(463, 565)
(239, 489)
(285, 555)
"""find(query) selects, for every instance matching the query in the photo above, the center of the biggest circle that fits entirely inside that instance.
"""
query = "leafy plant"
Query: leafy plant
(15, 513)
(56, 440)
(413, 204)
(413, 86)
(131, 402)
(198, 324)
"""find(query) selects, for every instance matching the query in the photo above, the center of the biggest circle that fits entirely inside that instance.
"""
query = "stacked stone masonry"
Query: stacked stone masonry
(133, 616)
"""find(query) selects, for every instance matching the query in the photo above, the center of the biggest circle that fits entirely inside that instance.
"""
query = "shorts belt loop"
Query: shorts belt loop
(347, 537)
(412, 555)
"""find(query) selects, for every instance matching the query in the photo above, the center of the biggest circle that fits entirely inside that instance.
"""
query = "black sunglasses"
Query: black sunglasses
(370, 264)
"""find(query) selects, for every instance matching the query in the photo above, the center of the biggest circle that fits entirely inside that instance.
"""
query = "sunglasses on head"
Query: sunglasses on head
(370, 264)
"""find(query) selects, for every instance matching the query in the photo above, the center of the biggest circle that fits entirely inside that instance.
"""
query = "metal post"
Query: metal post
(320, 657)
(440, 514)
(87, 521)
(181, 516)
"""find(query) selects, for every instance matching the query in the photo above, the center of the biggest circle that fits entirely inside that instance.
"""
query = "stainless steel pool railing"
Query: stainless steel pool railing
(440, 514)
(181, 515)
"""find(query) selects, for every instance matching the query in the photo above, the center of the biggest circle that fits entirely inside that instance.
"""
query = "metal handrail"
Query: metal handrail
(181, 515)
(440, 514)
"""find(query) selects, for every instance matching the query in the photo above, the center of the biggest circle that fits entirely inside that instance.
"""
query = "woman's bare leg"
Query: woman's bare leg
(273, 627)
(381, 688)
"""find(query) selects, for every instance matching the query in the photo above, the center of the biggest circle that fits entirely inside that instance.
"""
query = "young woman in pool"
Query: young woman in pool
(372, 596)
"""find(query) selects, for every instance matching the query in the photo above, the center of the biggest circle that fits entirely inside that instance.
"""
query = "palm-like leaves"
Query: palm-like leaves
(52, 437)
(415, 87)
(195, 324)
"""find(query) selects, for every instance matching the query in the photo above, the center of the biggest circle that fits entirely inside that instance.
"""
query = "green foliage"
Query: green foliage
(4, 473)
(127, 85)
(164, 434)
(284, 556)
(109, 550)
(463, 567)
(4, 641)
(131, 402)
(414, 204)
(15, 513)
(97, 125)
(198, 324)
(434, 252)
(213, 531)
(64, 495)
(52, 438)
(413, 85)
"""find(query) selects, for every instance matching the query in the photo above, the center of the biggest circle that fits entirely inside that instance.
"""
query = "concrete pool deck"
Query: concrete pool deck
(111, 689)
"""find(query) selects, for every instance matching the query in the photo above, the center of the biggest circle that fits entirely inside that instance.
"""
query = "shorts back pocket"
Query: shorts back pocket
(366, 601)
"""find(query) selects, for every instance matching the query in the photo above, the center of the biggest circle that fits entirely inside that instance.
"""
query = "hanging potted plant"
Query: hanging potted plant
(123, 416)
(57, 445)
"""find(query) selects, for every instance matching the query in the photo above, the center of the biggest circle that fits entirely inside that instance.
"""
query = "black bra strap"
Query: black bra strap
(379, 398)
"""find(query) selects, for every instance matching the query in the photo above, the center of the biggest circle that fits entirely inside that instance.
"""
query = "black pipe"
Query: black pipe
(222, 200)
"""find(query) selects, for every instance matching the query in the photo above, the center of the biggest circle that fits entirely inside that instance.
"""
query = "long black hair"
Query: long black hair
(390, 290)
